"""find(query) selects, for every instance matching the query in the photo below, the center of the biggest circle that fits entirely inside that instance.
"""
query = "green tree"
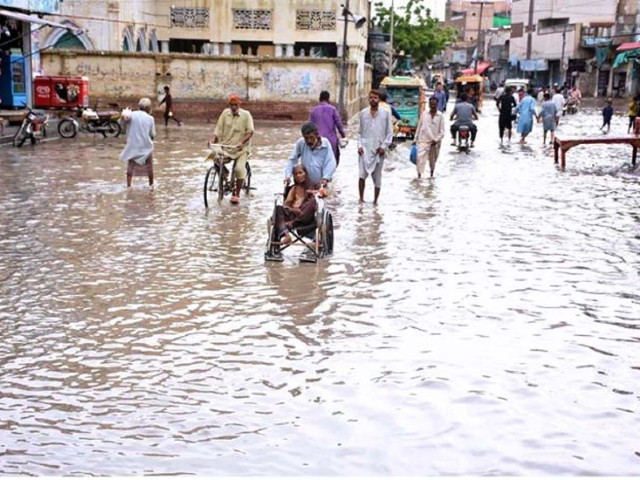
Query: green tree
(415, 31)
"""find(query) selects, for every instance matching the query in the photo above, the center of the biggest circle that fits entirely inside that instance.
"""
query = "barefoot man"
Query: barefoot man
(374, 137)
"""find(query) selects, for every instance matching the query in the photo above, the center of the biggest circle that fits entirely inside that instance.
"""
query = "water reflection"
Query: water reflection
(137, 325)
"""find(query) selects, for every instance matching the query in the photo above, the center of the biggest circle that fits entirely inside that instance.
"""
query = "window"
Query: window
(552, 25)
(252, 19)
(189, 17)
(315, 20)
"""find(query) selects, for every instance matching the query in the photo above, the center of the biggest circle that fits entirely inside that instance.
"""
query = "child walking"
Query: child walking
(607, 114)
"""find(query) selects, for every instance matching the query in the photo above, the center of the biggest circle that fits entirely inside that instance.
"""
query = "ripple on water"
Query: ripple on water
(487, 316)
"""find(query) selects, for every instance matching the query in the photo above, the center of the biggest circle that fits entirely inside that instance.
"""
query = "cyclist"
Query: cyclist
(235, 129)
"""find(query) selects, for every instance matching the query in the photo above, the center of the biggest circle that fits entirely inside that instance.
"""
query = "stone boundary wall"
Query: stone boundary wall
(273, 88)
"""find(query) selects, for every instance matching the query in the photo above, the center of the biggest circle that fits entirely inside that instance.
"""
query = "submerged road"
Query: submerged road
(482, 323)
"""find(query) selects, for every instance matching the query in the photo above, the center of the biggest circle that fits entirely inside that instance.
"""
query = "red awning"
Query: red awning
(482, 67)
(628, 46)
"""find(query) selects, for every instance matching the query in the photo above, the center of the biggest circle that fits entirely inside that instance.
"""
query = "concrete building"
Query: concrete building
(21, 22)
(278, 52)
(276, 28)
(546, 39)
(465, 16)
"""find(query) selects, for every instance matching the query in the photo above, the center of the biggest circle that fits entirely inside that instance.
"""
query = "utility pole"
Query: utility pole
(564, 41)
(530, 30)
(391, 40)
(475, 67)
(343, 62)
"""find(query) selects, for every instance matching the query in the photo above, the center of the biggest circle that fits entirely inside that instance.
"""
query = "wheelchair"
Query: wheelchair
(316, 237)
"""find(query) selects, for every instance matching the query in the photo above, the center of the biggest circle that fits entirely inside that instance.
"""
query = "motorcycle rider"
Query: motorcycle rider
(464, 114)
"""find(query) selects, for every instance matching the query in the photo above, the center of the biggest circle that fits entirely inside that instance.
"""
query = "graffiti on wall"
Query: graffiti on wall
(296, 82)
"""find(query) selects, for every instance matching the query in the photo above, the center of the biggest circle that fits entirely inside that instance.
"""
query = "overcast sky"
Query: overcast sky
(436, 6)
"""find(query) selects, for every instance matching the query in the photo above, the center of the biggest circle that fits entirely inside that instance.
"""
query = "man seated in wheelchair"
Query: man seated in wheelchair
(315, 154)
(298, 215)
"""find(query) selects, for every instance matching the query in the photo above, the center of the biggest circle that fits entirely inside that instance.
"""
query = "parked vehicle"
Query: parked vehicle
(407, 95)
(90, 121)
(517, 83)
(34, 127)
(474, 85)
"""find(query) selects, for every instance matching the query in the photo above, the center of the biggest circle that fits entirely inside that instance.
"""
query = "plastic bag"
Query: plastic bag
(413, 154)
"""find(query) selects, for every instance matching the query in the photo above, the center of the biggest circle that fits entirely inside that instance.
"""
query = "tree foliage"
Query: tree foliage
(415, 31)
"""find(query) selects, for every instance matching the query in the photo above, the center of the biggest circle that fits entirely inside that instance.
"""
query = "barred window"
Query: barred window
(252, 19)
(189, 17)
(315, 20)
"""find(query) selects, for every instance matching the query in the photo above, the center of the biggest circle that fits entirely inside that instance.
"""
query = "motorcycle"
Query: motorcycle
(34, 126)
(107, 123)
(571, 107)
(464, 133)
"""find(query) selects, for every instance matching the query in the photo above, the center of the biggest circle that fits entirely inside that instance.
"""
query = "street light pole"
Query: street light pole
(475, 67)
(343, 62)
(564, 40)
(391, 40)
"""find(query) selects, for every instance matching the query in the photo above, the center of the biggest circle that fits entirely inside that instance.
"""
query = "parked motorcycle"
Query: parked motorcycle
(90, 121)
(464, 133)
(34, 127)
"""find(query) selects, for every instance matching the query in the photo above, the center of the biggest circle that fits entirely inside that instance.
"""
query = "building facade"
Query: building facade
(275, 28)
(548, 47)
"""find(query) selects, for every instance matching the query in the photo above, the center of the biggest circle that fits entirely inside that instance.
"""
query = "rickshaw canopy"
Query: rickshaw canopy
(470, 79)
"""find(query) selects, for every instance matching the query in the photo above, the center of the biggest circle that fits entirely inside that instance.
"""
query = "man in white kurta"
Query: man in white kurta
(429, 135)
(138, 152)
(374, 137)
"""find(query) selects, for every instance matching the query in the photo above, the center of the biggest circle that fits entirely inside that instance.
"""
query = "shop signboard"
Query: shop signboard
(38, 6)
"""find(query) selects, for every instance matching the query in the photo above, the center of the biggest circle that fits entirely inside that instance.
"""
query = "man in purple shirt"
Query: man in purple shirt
(325, 116)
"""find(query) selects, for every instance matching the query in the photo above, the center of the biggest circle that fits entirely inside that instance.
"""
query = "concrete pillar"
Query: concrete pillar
(289, 51)
(340, 46)
(278, 50)
(226, 49)
(595, 90)
(164, 46)
(215, 49)
(629, 81)
(609, 92)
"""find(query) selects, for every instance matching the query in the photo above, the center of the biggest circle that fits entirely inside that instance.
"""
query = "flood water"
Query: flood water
(483, 323)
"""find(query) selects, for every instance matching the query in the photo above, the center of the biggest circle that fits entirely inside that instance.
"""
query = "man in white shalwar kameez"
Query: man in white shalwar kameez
(374, 137)
(138, 152)
(429, 135)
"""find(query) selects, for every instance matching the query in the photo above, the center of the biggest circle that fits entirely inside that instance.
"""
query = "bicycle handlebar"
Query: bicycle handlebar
(222, 145)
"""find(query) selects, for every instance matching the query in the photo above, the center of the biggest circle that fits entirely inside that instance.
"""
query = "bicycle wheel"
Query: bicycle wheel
(111, 129)
(67, 129)
(210, 185)
(247, 180)
(221, 181)
(20, 136)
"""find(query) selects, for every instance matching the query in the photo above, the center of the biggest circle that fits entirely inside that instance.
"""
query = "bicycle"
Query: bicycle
(217, 183)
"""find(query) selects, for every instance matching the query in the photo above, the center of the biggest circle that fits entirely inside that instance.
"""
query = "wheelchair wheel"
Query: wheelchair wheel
(247, 180)
(327, 235)
(210, 185)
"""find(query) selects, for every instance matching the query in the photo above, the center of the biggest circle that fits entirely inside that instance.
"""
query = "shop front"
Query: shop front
(19, 19)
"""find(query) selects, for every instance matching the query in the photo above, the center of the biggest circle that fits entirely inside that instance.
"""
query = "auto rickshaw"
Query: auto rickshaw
(473, 86)
(407, 95)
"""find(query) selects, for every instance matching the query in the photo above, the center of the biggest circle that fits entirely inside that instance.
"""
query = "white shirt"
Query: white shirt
(140, 133)
(558, 99)
(430, 129)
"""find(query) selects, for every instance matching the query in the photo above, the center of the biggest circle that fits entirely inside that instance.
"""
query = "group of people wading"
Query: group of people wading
(318, 150)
